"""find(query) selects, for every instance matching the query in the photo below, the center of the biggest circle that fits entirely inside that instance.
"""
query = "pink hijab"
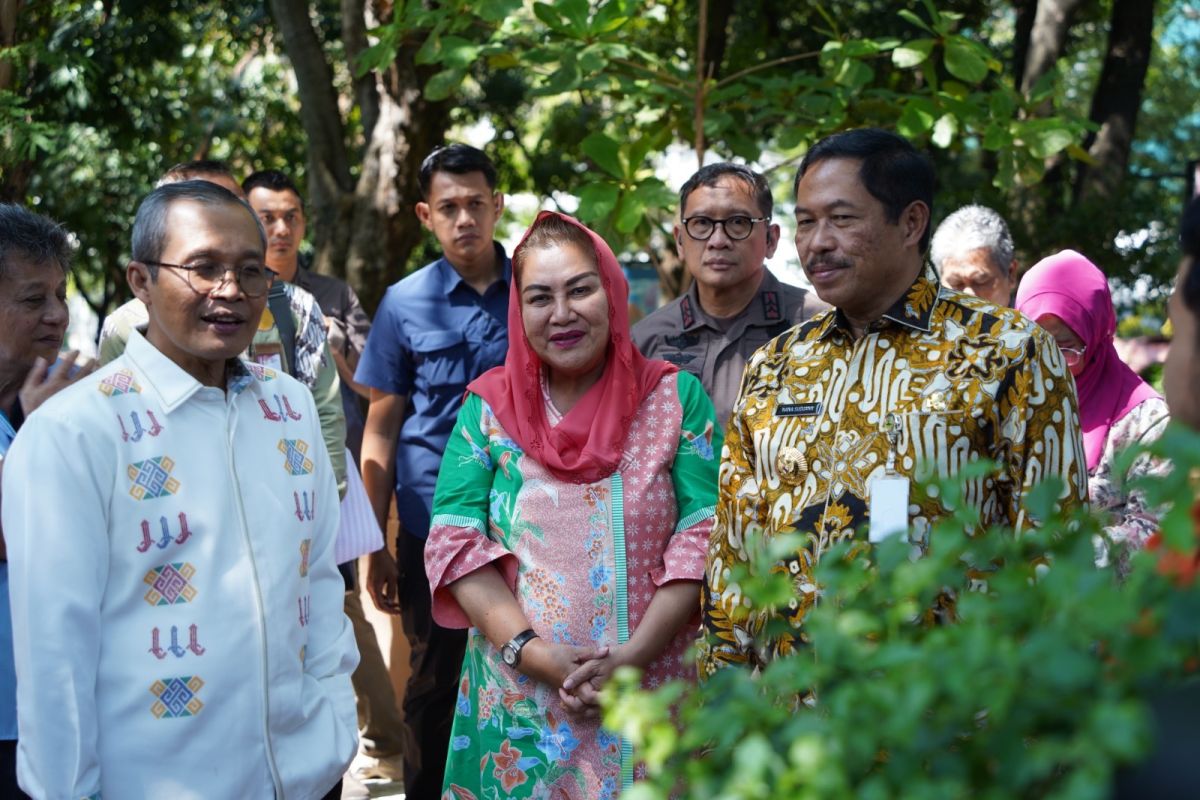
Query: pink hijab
(587, 443)
(1073, 289)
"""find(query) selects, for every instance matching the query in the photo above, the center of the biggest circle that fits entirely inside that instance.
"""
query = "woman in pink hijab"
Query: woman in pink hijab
(1069, 296)
(569, 527)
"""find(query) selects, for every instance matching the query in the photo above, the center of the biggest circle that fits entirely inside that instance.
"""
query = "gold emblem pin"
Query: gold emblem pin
(791, 465)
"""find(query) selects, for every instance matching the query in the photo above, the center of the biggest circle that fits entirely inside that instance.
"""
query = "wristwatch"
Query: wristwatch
(511, 651)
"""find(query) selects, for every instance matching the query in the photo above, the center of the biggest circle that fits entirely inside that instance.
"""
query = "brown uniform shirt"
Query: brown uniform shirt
(716, 350)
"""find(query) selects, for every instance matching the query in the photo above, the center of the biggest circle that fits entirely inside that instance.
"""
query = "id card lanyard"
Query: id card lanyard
(888, 502)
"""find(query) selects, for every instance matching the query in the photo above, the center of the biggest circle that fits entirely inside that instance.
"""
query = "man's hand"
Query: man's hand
(383, 581)
(41, 383)
(335, 331)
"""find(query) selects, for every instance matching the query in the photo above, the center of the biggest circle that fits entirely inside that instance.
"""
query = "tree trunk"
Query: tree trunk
(385, 226)
(1022, 36)
(1047, 39)
(354, 40)
(1116, 101)
(328, 170)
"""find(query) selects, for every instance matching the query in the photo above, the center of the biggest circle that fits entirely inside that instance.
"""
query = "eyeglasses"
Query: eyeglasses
(208, 276)
(737, 227)
(1073, 355)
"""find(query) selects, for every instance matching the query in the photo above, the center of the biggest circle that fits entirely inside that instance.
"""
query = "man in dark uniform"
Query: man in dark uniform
(734, 305)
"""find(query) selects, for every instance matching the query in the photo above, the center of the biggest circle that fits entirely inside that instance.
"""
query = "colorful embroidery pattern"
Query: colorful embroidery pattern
(176, 649)
(119, 383)
(296, 461)
(152, 478)
(148, 541)
(305, 547)
(259, 371)
(177, 697)
(169, 584)
(136, 423)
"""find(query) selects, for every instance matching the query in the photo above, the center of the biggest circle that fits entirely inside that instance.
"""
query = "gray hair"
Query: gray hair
(150, 225)
(39, 239)
(970, 228)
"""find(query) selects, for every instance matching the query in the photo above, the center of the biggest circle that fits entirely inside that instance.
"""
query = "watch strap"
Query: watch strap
(518, 642)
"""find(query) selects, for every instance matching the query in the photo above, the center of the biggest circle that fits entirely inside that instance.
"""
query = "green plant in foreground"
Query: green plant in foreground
(1034, 690)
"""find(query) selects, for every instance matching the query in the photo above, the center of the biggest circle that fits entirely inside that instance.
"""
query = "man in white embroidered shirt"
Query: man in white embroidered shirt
(170, 520)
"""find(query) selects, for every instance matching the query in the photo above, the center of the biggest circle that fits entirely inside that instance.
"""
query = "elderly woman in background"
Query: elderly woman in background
(569, 527)
(1069, 297)
(35, 254)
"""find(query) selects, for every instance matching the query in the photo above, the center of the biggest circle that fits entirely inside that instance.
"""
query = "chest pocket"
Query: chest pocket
(441, 360)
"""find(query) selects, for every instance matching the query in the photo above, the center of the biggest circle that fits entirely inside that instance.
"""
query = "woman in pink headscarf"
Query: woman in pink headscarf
(1069, 297)
(569, 527)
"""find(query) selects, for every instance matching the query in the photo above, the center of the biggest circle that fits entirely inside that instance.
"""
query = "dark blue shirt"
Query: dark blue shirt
(433, 334)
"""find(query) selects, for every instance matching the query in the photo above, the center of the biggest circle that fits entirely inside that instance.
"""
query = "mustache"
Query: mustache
(828, 262)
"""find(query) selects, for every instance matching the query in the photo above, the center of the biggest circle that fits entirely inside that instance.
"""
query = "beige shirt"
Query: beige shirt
(716, 350)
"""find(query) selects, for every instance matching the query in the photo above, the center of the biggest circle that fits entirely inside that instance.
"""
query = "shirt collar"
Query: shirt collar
(451, 280)
(913, 310)
(765, 308)
(173, 385)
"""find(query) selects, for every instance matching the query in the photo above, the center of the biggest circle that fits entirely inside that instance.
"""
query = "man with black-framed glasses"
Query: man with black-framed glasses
(174, 514)
(734, 304)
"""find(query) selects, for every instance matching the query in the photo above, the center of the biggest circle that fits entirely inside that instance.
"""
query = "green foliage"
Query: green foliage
(1033, 690)
(625, 72)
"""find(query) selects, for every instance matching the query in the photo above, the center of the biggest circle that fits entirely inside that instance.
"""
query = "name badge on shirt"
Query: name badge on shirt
(797, 409)
(888, 506)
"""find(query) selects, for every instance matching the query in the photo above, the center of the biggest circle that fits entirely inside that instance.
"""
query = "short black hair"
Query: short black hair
(1189, 242)
(711, 174)
(893, 171)
(187, 170)
(272, 180)
(150, 224)
(38, 239)
(459, 159)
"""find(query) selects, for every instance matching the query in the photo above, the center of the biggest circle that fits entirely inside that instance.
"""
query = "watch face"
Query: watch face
(509, 654)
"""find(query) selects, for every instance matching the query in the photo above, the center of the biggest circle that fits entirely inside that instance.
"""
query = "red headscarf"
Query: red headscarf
(1073, 289)
(586, 445)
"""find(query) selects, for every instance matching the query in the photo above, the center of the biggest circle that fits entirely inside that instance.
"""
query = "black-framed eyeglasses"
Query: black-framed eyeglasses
(1073, 355)
(737, 227)
(208, 276)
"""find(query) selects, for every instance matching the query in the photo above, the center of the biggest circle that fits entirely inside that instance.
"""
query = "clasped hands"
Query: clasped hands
(583, 672)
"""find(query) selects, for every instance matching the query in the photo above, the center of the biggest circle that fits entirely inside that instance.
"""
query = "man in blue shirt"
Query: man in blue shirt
(435, 331)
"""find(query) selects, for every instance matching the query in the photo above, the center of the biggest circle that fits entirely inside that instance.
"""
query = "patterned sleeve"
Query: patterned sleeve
(1133, 522)
(694, 474)
(1039, 429)
(727, 621)
(458, 541)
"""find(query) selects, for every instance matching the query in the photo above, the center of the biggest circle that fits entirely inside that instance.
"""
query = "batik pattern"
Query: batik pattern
(1130, 521)
(964, 380)
(584, 562)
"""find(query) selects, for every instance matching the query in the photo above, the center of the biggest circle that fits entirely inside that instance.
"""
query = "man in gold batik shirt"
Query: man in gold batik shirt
(835, 416)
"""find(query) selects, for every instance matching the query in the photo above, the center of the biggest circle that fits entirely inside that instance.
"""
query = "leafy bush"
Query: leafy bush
(1035, 689)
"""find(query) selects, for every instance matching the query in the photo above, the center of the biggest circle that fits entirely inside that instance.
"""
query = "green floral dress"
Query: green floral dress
(584, 562)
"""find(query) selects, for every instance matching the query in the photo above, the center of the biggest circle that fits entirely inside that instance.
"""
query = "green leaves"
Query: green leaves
(1033, 687)
(965, 59)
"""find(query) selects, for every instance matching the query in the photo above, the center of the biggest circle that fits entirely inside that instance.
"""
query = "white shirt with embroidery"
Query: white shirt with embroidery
(177, 612)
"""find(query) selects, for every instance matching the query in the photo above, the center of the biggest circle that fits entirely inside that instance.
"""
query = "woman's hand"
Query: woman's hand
(550, 663)
(580, 691)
